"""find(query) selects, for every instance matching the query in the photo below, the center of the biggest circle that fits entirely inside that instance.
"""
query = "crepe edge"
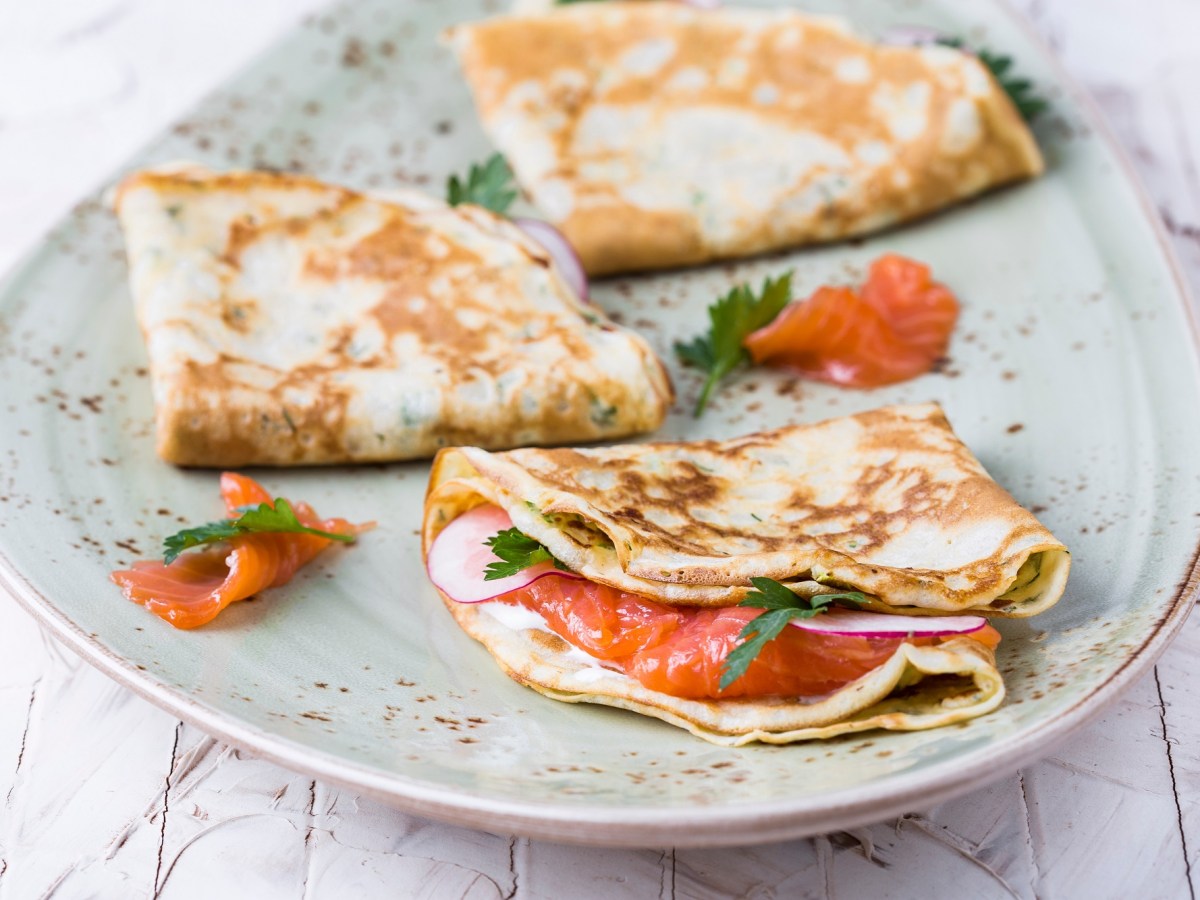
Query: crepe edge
(928, 707)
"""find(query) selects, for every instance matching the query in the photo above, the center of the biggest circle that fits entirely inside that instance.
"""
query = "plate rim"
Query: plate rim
(684, 825)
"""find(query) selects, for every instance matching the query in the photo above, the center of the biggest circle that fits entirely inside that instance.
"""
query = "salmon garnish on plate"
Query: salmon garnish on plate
(895, 328)
(190, 589)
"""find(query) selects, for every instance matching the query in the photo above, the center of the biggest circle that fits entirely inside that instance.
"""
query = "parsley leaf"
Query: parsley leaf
(261, 519)
(489, 186)
(781, 607)
(517, 551)
(1019, 90)
(731, 319)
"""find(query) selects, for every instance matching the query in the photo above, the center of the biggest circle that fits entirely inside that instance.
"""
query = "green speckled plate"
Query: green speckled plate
(1074, 378)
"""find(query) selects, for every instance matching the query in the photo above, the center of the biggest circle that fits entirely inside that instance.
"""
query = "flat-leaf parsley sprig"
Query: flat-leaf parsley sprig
(517, 551)
(781, 607)
(731, 319)
(261, 519)
(490, 186)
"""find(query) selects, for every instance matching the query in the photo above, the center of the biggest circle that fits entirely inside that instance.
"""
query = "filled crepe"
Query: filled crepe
(647, 556)
(654, 134)
(288, 322)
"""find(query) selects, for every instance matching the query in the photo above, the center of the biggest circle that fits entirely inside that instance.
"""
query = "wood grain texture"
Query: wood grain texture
(102, 795)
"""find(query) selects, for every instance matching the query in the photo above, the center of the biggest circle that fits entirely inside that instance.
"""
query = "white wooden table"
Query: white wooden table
(105, 796)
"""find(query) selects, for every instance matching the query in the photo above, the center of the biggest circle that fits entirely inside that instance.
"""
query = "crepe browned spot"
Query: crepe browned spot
(655, 134)
(290, 322)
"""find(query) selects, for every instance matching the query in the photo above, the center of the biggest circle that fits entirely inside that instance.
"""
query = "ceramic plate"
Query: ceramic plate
(1074, 378)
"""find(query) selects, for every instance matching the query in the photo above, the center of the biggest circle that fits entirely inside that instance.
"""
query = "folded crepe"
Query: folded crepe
(289, 322)
(654, 134)
(888, 503)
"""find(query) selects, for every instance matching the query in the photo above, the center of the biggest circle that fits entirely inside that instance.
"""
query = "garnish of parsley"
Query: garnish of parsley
(490, 186)
(781, 607)
(261, 519)
(731, 319)
(1020, 90)
(517, 552)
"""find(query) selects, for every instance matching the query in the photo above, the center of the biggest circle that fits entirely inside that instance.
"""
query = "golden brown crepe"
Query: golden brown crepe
(654, 134)
(888, 502)
(292, 322)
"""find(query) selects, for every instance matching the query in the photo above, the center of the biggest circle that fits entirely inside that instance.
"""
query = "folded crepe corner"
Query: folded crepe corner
(657, 135)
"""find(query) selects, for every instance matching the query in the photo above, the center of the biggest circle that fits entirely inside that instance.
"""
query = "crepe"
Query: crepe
(888, 502)
(293, 322)
(654, 134)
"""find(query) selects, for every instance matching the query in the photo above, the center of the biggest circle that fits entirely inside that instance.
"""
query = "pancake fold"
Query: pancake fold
(292, 322)
(888, 502)
(654, 134)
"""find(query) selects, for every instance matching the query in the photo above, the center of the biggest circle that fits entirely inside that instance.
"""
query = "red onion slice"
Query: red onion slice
(855, 623)
(702, 4)
(459, 558)
(561, 252)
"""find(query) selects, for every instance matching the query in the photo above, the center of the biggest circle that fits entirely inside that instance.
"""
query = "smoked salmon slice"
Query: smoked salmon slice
(892, 330)
(681, 651)
(193, 589)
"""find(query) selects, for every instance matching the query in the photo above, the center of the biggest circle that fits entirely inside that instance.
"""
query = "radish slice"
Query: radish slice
(561, 252)
(910, 36)
(702, 4)
(854, 623)
(459, 558)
